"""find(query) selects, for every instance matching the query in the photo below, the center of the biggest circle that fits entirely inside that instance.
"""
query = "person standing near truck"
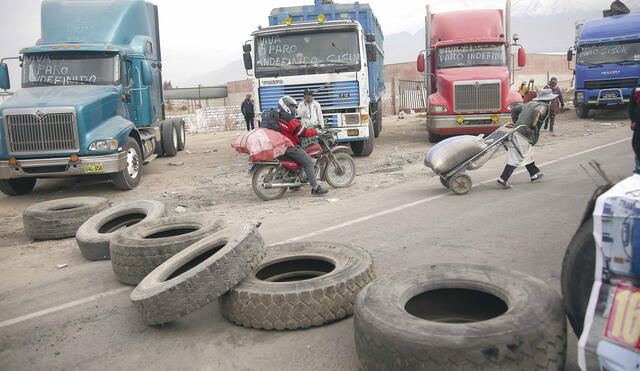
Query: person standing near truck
(531, 116)
(634, 115)
(555, 105)
(310, 111)
(248, 111)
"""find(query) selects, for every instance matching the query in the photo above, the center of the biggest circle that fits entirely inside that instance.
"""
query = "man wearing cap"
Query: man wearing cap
(310, 111)
(555, 105)
(248, 111)
(530, 116)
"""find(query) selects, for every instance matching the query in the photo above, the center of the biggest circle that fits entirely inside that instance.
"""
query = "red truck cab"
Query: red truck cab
(468, 72)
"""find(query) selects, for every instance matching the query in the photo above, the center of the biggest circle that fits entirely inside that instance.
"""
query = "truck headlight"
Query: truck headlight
(351, 119)
(104, 145)
(513, 105)
(580, 97)
(438, 109)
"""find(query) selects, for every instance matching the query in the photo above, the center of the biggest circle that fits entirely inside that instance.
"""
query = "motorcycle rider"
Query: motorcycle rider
(286, 123)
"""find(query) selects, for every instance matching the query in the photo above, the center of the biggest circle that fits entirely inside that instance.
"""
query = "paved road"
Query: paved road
(81, 317)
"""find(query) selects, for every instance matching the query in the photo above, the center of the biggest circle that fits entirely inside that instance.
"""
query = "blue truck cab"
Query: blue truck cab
(607, 62)
(91, 98)
(336, 51)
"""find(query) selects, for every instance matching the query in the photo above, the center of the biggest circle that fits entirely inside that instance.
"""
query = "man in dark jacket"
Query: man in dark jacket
(634, 115)
(247, 111)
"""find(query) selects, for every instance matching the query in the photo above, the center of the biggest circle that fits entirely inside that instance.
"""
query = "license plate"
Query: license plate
(93, 168)
(611, 95)
(623, 325)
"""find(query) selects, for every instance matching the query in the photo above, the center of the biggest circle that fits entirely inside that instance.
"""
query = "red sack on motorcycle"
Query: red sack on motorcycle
(262, 144)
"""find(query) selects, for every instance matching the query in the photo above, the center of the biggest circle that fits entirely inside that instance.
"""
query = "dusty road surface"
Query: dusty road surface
(80, 317)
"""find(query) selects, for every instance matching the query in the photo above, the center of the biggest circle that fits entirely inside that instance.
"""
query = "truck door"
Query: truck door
(139, 103)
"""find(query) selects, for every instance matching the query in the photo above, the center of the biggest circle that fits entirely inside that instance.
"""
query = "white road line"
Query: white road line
(58, 308)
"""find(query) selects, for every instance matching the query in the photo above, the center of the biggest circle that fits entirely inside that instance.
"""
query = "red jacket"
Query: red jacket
(291, 128)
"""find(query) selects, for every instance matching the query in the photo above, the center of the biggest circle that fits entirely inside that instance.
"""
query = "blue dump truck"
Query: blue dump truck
(335, 50)
(607, 62)
(91, 98)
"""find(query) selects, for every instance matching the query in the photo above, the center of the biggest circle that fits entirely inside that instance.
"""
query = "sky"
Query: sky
(198, 36)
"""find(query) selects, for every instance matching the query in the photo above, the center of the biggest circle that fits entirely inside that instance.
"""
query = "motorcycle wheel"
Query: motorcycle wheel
(337, 178)
(267, 174)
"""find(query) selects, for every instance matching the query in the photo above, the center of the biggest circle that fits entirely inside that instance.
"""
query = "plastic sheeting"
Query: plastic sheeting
(262, 144)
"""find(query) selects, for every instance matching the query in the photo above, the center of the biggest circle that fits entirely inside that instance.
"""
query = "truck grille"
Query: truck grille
(611, 84)
(38, 132)
(477, 96)
(335, 95)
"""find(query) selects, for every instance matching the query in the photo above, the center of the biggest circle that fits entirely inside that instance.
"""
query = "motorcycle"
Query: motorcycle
(333, 164)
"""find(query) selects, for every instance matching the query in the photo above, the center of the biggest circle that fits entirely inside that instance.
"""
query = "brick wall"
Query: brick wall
(214, 119)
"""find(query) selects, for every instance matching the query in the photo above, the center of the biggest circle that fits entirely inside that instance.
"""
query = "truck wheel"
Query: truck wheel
(376, 116)
(181, 129)
(434, 138)
(17, 186)
(56, 219)
(582, 111)
(459, 317)
(138, 250)
(130, 176)
(94, 235)
(299, 285)
(364, 147)
(343, 178)
(169, 137)
(198, 274)
(578, 268)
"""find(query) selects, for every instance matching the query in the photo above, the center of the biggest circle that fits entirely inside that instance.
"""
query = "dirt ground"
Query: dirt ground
(211, 177)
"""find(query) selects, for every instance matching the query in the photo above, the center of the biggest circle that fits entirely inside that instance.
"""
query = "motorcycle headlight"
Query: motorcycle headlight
(580, 97)
(104, 145)
(438, 109)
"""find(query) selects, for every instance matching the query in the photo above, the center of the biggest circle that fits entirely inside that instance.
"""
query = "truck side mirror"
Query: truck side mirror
(420, 62)
(147, 73)
(246, 48)
(248, 63)
(371, 38)
(372, 53)
(522, 57)
(4, 77)
(569, 55)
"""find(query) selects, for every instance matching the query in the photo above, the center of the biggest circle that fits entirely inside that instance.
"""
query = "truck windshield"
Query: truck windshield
(619, 52)
(307, 53)
(70, 68)
(471, 55)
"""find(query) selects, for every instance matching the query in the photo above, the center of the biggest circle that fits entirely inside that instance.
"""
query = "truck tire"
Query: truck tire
(181, 129)
(579, 265)
(138, 250)
(130, 176)
(57, 219)
(299, 285)
(17, 186)
(434, 138)
(364, 147)
(169, 137)
(582, 111)
(459, 317)
(94, 235)
(375, 110)
(198, 274)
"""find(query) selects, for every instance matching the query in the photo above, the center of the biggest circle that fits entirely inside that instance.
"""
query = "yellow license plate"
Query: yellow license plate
(93, 168)
(611, 96)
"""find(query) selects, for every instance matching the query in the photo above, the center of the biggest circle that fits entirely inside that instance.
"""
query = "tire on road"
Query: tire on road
(364, 147)
(94, 235)
(181, 127)
(138, 250)
(459, 317)
(300, 285)
(169, 138)
(198, 274)
(57, 219)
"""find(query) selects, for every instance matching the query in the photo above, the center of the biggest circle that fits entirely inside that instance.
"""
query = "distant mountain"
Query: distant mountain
(231, 72)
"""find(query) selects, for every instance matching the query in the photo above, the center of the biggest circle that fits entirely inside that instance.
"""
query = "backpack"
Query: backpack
(270, 120)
